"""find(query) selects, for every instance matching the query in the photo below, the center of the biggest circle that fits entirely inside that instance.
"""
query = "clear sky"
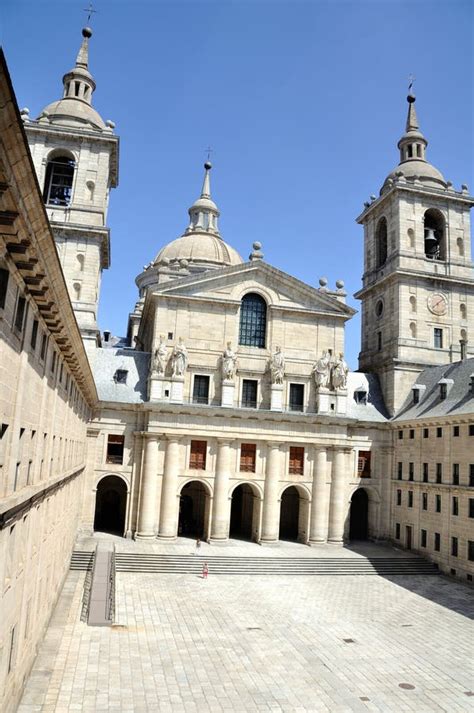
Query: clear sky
(303, 103)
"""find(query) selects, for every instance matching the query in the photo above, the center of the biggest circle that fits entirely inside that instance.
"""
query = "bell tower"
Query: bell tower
(418, 285)
(75, 154)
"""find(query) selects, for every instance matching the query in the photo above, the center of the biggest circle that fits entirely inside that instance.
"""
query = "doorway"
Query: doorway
(243, 513)
(289, 514)
(193, 510)
(110, 505)
(408, 538)
(359, 518)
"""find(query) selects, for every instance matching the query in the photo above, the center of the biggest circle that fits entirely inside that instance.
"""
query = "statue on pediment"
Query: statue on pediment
(158, 363)
(179, 359)
(229, 363)
(339, 374)
(322, 371)
(277, 366)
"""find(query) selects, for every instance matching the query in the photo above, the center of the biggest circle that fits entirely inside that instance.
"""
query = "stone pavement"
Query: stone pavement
(243, 644)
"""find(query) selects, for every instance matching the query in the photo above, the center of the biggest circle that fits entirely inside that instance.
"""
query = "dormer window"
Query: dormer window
(471, 384)
(444, 388)
(58, 181)
(417, 391)
(416, 396)
(361, 396)
(120, 376)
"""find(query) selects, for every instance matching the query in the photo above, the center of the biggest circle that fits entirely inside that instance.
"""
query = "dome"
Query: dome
(423, 171)
(200, 249)
(73, 112)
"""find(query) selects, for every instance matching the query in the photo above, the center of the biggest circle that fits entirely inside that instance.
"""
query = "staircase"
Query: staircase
(82, 561)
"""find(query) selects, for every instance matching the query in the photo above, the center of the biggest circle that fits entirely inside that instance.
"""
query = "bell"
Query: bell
(431, 243)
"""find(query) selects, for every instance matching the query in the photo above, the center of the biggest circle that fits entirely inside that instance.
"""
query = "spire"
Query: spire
(83, 54)
(79, 83)
(413, 144)
(204, 212)
(412, 119)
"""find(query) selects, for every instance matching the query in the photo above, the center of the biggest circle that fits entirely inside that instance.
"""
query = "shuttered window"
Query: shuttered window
(197, 457)
(115, 449)
(248, 457)
(296, 460)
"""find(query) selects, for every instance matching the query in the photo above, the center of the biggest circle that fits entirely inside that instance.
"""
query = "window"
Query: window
(471, 475)
(296, 460)
(400, 435)
(34, 334)
(58, 183)
(455, 473)
(120, 376)
(437, 541)
(379, 341)
(201, 389)
(443, 391)
(400, 470)
(248, 453)
(424, 501)
(455, 431)
(170, 335)
(399, 497)
(412, 433)
(53, 362)
(471, 429)
(438, 503)
(363, 464)
(439, 472)
(44, 342)
(249, 393)
(470, 550)
(416, 396)
(425, 472)
(455, 506)
(454, 546)
(438, 338)
(115, 449)
(381, 243)
(4, 276)
(471, 507)
(439, 432)
(397, 530)
(426, 433)
(20, 313)
(253, 321)
(434, 235)
(296, 397)
(410, 498)
(411, 471)
(423, 538)
(197, 457)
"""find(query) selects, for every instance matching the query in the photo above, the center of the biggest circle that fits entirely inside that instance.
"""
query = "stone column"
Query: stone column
(271, 504)
(169, 491)
(148, 490)
(318, 529)
(220, 510)
(336, 503)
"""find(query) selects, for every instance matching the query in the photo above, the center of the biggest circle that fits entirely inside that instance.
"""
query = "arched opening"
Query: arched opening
(244, 513)
(413, 330)
(381, 242)
(58, 181)
(435, 243)
(110, 505)
(413, 304)
(194, 506)
(460, 244)
(293, 515)
(359, 518)
(411, 237)
(77, 290)
(80, 262)
(253, 321)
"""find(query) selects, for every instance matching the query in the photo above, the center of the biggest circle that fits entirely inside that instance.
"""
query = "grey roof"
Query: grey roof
(374, 409)
(459, 401)
(105, 363)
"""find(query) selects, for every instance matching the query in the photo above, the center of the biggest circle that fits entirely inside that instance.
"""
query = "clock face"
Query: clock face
(437, 303)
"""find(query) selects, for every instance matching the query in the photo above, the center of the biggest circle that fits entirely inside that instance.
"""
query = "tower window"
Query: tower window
(253, 321)
(58, 183)
(438, 338)
(434, 235)
(381, 243)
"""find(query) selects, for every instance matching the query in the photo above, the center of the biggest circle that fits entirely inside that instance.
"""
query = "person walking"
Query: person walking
(205, 571)
(198, 546)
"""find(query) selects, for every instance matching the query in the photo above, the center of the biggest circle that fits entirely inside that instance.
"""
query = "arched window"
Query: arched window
(253, 321)
(460, 244)
(413, 330)
(381, 243)
(80, 261)
(58, 181)
(412, 304)
(77, 290)
(435, 235)
(463, 310)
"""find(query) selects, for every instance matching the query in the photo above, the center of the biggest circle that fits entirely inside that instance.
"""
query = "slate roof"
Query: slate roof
(105, 363)
(459, 401)
(374, 410)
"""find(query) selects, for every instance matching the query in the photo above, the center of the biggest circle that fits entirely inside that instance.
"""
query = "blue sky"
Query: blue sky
(302, 102)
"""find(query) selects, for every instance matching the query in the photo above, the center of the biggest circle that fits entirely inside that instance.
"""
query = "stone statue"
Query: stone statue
(179, 359)
(322, 371)
(159, 358)
(340, 371)
(229, 363)
(277, 366)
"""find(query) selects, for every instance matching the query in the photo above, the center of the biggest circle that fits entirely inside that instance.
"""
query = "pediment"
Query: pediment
(281, 291)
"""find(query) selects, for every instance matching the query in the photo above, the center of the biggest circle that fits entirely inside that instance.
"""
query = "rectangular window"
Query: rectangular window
(454, 546)
(397, 530)
(379, 341)
(20, 314)
(34, 334)
(248, 457)
(400, 435)
(423, 538)
(438, 503)
(455, 473)
(439, 432)
(201, 389)
(296, 397)
(438, 338)
(4, 276)
(425, 472)
(115, 446)
(44, 342)
(439, 472)
(426, 433)
(411, 471)
(471, 475)
(455, 505)
(399, 497)
(410, 498)
(363, 464)
(197, 457)
(455, 431)
(53, 362)
(424, 501)
(412, 433)
(400, 470)
(296, 460)
(471, 507)
(249, 393)
(470, 550)
(471, 429)
(437, 541)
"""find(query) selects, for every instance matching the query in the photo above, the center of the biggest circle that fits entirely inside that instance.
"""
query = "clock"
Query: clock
(437, 304)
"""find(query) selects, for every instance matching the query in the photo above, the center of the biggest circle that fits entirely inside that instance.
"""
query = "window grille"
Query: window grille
(296, 460)
(58, 183)
(197, 456)
(253, 321)
(201, 389)
(248, 452)
(249, 393)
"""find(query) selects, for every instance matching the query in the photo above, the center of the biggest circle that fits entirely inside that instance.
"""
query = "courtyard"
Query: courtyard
(259, 643)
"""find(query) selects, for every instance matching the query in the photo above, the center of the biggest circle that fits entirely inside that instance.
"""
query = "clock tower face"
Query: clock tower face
(437, 304)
